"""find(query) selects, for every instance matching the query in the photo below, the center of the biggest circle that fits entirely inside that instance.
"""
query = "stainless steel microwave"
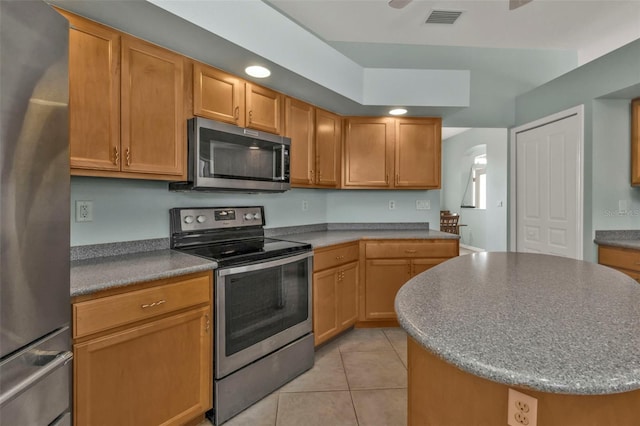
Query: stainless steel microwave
(224, 157)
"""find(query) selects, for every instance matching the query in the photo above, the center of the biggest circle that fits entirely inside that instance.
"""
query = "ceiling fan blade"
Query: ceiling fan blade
(399, 4)
(514, 4)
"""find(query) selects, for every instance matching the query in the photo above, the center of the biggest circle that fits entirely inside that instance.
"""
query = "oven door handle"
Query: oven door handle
(263, 265)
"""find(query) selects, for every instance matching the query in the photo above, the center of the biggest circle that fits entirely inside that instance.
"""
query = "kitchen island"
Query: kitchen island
(564, 331)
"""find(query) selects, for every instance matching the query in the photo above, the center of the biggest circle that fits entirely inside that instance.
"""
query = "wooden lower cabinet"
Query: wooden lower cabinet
(384, 277)
(390, 264)
(335, 291)
(625, 260)
(156, 371)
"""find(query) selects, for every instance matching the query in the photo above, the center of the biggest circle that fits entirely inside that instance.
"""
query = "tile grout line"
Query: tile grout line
(346, 376)
(394, 349)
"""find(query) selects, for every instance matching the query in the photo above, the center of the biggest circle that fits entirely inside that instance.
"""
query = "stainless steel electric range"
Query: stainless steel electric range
(262, 292)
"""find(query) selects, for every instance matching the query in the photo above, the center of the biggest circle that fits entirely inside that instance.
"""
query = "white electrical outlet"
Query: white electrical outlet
(305, 205)
(423, 204)
(84, 211)
(392, 205)
(522, 409)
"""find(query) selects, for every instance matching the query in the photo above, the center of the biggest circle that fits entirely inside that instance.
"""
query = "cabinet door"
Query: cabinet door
(368, 152)
(264, 109)
(325, 316)
(299, 126)
(347, 294)
(635, 142)
(328, 143)
(384, 277)
(153, 125)
(417, 153)
(217, 95)
(421, 265)
(158, 373)
(94, 96)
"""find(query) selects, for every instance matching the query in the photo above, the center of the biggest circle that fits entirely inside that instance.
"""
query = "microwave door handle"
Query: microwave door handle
(282, 162)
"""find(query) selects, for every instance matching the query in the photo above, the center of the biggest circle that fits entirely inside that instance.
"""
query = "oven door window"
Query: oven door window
(228, 156)
(262, 303)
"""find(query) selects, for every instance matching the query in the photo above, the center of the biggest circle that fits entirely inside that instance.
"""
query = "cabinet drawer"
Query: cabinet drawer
(619, 258)
(329, 257)
(101, 314)
(426, 248)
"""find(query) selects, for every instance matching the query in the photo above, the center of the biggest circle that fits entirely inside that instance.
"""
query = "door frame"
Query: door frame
(577, 111)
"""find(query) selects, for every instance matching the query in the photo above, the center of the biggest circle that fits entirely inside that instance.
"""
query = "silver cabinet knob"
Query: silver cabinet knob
(188, 219)
(201, 218)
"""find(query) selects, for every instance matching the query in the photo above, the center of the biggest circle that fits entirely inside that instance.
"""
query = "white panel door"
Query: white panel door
(548, 189)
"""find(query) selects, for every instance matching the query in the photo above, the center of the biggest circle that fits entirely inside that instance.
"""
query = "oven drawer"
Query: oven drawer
(329, 257)
(107, 312)
(425, 248)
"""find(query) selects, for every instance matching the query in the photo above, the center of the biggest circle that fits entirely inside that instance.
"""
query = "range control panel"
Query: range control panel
(200, 219)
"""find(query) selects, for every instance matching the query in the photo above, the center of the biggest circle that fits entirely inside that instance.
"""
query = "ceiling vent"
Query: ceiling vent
(443, 17)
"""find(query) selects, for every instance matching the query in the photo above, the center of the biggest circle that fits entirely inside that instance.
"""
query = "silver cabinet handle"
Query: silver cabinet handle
(151, 305)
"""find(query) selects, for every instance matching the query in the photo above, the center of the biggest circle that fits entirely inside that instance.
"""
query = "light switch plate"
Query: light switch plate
(423, 204)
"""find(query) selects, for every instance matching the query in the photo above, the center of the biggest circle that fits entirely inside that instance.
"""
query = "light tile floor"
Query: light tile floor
(359, 379)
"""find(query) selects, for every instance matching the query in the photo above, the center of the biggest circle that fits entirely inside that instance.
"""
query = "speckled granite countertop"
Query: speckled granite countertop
(330, 237)
(625, 239)
(92, 275)
(544, 322)
(102, 266)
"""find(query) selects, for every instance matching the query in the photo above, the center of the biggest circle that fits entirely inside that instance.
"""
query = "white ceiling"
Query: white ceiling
(590, 27)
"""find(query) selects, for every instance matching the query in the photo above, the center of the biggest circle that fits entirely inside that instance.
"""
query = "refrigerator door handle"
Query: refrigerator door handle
(55, 361)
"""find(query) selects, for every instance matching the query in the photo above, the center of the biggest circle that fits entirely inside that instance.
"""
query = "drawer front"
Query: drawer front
(331, 257)
(422, 249)
(101, 314)
(619, 258)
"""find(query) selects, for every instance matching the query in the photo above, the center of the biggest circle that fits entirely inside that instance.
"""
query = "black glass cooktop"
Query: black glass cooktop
(236, 252)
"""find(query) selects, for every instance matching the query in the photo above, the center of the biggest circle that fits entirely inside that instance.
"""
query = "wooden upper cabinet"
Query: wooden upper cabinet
(392, 153)
(127, 111)
(94, 95)
(368, 152)
(218, 95)
(635, 142)
(153, 127)
(417, 153)
(328, 144)
(263, 109)
(299, 126)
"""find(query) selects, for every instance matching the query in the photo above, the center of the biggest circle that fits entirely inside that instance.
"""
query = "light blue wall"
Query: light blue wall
(611, 167)
(485, 229)
(373, 206)
(128, 210)
(616, 74)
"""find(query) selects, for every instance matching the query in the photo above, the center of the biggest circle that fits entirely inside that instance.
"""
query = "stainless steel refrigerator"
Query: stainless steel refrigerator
(35, 311)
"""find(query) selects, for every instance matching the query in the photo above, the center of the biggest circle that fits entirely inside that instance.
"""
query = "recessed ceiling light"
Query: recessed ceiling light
(257, 71)
(398, 111)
